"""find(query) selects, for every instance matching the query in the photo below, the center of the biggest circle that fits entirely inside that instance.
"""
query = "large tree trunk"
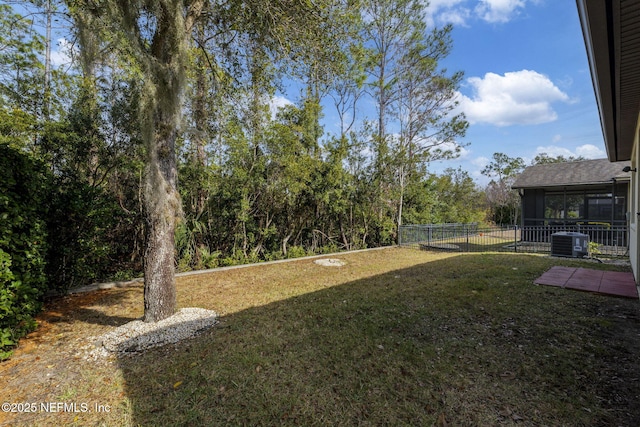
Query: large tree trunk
(162, 205)
(161, 117)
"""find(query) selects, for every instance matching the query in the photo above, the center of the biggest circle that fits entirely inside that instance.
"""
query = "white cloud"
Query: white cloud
(440, 4)
(460, 12)
(590, 152)
(456, 17)
(278, 102)
(62, 56)
(447, 12)
(587, 151)
(517, 98)
(480, 162)
(463, 153)
(498, 11)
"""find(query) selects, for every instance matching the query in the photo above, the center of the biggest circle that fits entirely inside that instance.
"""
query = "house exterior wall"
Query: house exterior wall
(634, 208)
(611, 31)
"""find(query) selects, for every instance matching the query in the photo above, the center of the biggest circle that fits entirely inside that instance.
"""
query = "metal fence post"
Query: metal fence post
(467, 228)
(515, 238)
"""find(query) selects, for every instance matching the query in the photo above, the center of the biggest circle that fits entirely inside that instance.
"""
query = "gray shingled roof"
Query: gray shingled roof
(586, 172)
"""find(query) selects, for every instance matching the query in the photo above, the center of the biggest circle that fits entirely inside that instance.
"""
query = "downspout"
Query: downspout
(612, 232)
(613, 201)
(521, 194)
(564, 207)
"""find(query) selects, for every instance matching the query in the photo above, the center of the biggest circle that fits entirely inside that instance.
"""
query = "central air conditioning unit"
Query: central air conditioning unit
(569, 244)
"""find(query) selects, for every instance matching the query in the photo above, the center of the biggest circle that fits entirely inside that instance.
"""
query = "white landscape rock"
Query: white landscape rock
(330, 262)
(138, 336)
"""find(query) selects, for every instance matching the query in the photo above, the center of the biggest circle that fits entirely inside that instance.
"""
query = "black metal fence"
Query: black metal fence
(608, 240)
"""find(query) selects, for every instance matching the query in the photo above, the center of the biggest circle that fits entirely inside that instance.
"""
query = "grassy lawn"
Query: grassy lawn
(395, 337)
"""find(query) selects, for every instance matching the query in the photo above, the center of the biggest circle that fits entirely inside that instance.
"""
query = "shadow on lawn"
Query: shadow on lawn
(97, 317)
(466, 340)
(82, 308)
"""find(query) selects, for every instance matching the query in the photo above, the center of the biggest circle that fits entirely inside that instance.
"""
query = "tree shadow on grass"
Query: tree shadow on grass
(467, 340)
(98, 317)
(98, 307)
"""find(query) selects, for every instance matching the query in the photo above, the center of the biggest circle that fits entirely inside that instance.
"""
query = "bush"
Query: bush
(297, 252)
(23, 183)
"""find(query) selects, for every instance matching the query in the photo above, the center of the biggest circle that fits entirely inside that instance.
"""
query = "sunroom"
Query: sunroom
(588, 196)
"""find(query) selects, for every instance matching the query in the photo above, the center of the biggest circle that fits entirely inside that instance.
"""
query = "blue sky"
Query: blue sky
(527, 87)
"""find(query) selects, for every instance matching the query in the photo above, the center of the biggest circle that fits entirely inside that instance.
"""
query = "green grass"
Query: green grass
(465, 339)
(396, 337)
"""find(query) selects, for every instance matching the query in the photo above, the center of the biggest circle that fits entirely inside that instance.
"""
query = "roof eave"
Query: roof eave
(596, 22)
(611, 31)
(571, 185)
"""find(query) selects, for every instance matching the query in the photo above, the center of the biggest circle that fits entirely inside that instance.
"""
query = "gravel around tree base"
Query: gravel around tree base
(138, 336)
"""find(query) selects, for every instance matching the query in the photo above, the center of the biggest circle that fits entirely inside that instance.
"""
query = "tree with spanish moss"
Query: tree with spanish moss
(153, 38)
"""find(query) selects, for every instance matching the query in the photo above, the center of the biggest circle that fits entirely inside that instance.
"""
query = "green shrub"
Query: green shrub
(594, 249)
(208, 259)
(23, 182)
(329, 249)
(296, 252)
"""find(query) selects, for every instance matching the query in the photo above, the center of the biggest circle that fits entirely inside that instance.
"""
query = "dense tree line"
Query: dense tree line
(189, 91)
